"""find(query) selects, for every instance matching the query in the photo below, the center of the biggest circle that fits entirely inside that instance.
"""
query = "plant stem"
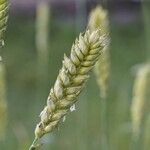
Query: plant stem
(104, 123)
(146, 20)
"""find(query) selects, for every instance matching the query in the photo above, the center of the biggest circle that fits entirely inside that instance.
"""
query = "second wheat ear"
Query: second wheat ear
(70, 81)
(3, 19)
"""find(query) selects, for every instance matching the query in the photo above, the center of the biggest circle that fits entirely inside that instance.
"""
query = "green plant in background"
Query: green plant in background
(70, 81)
(42, 42)
(146, 12)
(141, 93)
(42, 27)
(140, 100)
(146, 136)
(99, 19)
(3, 104)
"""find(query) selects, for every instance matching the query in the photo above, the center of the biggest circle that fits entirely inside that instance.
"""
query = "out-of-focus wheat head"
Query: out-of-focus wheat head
(3, 105)
(140, 99)
(99, 19)
(3, 19)
(70, 81)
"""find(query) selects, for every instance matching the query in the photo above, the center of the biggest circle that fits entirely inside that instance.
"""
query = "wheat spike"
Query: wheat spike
(140, 101)
(70, 81)
(99, 19)
(3, 19)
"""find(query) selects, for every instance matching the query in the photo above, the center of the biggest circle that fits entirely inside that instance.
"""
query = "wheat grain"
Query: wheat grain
(140, 101)
(70, 81)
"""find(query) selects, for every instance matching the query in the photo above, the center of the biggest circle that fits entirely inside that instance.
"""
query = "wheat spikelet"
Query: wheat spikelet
(140, 101)
(3, 19)
(70, 81)
(98, 19)
(3, 105)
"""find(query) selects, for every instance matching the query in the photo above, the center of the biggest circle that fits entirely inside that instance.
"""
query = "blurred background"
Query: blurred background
(31, 73)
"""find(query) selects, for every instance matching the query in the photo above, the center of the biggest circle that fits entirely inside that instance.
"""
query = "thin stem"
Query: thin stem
(104, 123)
(34, 144)
(146, 19)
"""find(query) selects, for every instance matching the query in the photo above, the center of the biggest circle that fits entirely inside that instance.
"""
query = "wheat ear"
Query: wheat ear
(99, 19)
(70, 81)
(3, 19)
(140, 101)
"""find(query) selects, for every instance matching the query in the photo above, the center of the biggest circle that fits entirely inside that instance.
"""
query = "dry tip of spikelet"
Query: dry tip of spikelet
(70, 81)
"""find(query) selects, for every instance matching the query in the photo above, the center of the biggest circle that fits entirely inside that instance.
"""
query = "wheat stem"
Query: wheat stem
(146, 22)
(70, 81)
(42, 29)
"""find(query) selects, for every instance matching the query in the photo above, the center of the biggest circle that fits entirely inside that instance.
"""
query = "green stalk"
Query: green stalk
(42, 40)
(146, 19)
